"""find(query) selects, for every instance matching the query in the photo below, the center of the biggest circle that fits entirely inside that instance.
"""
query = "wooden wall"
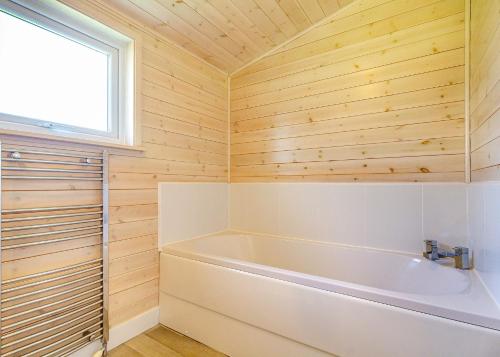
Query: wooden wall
(184, 134)
(485, 90)
(229, 33)
(375, 94)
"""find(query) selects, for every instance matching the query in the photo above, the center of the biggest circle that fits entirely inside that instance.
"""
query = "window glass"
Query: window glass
(48, 77)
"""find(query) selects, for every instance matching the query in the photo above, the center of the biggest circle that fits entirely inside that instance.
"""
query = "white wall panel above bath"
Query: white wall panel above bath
(394, 217)
(484, 222)
(188, 210)
(385, 216)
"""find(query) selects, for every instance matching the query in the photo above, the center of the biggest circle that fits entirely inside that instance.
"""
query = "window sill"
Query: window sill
(61, 139)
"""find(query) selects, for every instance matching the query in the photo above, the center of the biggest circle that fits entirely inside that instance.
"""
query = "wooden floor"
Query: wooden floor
(161, 341)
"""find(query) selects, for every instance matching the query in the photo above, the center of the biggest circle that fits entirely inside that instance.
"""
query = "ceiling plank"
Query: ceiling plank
(259, 18)
(209, 12)
(278, 17)
(295, 13)
(329, 6)
(312, 9)
(202, 26)
(229, 33)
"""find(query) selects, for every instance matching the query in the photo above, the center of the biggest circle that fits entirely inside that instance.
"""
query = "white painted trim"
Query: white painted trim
(89, 350)
(160, 223)
(135, 326)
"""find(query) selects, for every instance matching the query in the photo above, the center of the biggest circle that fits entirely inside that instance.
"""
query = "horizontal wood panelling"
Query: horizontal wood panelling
(120, 214)
(453, 110)
(156, 121)
(453, 145)
(135, 277)
(132, 197)
(144, 165)
(164, 152)
(184, 134)
(424, 164)
(120, 231)
(391, 177)
(132, 262)
(391, 42)
(487, 132)
(170, 96)
(368, 136)
(126, 247)
(161, 137)
(157, 76)
(485, 90)
(345, 75)
(366, 95)
(423, 98)
(386, 88)
(155, 106)
(128, 303)
(145, 181)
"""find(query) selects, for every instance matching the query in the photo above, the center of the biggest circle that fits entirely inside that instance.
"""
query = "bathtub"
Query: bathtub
(255, 295)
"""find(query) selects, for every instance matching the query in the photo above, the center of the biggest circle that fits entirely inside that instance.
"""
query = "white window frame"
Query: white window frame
(66, 22)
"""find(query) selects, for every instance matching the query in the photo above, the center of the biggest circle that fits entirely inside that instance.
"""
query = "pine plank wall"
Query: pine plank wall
(375, 94)
(485, 90)
(184, 134)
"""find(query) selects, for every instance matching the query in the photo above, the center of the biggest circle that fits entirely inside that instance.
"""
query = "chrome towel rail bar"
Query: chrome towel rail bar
(59, 310)
(43, 209)
(74, 163)
(36, 152)
(50, 313)
(48, 225)
(66, 215)
(26, 312)
(41, 333)
(44, 348)
(50, 288)
(48, 322)
(53, 271)
(59, 240)
(49, 297)
(33, 235)
(65, 276)
(62, 178)
(38, 169)
(76, 345)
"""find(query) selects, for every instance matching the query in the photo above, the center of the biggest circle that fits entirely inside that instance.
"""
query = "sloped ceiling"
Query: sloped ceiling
(228, 33)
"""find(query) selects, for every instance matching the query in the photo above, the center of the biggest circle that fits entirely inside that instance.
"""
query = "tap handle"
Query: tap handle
(462, 259)
(461, 250)
(430, 245)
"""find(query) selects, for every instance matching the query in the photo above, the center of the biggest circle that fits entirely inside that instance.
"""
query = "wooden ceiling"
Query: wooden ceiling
(228, 33)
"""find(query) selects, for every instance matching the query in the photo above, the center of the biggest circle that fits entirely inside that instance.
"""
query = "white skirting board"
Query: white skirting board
(88, 350)
(123, 332)
(129, 329)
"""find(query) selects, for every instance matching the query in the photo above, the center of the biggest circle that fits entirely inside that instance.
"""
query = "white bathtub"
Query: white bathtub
(253, 295)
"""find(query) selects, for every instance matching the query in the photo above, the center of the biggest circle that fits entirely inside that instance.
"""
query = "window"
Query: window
(64, 74)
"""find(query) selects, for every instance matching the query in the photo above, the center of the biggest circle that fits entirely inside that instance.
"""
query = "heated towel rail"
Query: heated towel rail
(54, 250)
